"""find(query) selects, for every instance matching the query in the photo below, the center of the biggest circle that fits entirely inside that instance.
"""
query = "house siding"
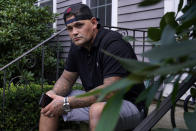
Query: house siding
(130, 15)
(63, 38)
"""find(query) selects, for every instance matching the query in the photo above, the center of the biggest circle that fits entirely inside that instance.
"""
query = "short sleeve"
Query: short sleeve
(111, 67)
(71, 61)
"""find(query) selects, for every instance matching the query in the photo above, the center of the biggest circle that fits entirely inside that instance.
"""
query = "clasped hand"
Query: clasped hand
(55, 107)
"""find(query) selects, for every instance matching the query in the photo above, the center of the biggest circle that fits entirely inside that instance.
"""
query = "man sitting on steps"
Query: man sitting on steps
(95, 69)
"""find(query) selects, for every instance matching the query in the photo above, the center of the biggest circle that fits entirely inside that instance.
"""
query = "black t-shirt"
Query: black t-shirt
(94, 66)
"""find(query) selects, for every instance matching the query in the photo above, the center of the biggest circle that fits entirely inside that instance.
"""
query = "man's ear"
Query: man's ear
(94, 21)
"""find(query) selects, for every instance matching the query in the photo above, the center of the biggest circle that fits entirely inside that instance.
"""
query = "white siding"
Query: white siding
(63, 38)
(130, 15)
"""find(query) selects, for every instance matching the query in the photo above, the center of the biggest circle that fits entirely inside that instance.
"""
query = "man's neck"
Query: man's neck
(88, 46)
(90, 43)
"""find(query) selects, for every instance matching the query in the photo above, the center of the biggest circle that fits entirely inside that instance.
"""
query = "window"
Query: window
(102, 9)
(52, 7)
(43, 3)
(48, 3)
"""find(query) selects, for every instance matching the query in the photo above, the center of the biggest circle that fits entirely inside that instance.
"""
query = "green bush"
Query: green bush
(22, 26)
(21, 111)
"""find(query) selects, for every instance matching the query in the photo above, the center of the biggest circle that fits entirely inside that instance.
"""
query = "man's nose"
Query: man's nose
(75, 31)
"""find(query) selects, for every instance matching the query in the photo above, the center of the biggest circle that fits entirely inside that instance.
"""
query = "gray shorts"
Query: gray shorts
(129, 118)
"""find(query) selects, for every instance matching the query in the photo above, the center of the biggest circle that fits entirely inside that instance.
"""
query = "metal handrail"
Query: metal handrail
(29, 51)
(54, 35)
(122, 28)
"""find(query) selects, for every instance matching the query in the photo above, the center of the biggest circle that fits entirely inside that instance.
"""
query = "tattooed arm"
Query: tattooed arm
(87, 101)
(60, 89)
(64, 83)
(55, 107)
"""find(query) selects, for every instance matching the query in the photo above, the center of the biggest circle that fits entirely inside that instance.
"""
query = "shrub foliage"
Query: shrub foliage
(22, 26)
(21, 109)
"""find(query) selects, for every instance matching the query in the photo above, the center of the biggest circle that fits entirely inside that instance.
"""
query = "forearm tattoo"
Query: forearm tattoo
(83, 102)
(58, 106)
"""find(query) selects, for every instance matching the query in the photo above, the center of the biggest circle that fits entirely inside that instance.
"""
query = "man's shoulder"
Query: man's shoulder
(113, 39)
(111, 35)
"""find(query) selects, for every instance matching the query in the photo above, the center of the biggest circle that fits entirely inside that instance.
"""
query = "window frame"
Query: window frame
(54, 7)
(114, 18)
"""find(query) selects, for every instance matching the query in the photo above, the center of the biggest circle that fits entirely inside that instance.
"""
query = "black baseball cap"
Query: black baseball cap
(80, 11)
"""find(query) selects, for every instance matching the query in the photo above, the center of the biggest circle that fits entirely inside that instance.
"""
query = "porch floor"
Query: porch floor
(165, 121)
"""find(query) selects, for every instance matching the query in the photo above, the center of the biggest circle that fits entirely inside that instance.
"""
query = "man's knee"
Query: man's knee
(48, 123)
(96, 109)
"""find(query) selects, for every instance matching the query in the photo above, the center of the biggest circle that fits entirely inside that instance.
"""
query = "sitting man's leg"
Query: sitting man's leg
(129, 116)
(48, 123)
(95, 114)
(51, 123)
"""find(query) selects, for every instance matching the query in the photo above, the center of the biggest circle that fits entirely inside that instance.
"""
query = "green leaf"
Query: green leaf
(129, 38)
(123, 83)
(162, 23)
(175, 89)
(186, 7)
(171, 69)
(180, 5)
(143, 95)
(193, 92)
(149, 2)
(154, 33)
(188, 19)
(186, 25)
(169, 78)
(173, 50)
(152, 91)
(190, 119)
(169, 19)
(164, 129)
(116, 86)
(168, 35)
(189, 14)
(141, 70)
(110, 112)
(133, 65)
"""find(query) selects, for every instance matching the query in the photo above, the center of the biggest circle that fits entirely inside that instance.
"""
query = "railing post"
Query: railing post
(3, 105)
(127, 33)
(134, 40)
(143, 44)
(42, 79)
(57, 62)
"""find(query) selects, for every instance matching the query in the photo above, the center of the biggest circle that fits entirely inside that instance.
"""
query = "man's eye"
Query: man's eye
(79, 25)
(69, 28)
